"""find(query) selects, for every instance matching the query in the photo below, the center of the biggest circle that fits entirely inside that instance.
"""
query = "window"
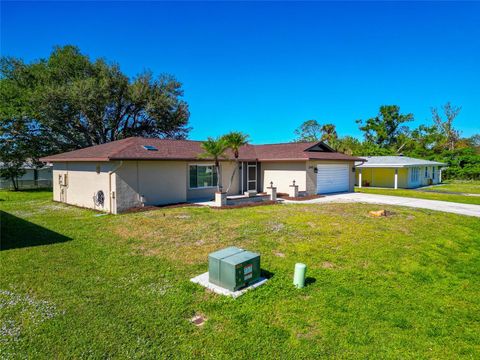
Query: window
(202, 176)
(433, 172)
(426, 172)
(414, 174)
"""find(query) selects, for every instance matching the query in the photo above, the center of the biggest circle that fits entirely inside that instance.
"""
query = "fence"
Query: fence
(26, 184)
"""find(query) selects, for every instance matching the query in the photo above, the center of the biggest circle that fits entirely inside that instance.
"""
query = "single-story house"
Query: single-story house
(136, 171)
(34, 177)
(397, 172)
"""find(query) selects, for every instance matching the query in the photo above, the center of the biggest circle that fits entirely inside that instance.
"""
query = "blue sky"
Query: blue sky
(264, 68)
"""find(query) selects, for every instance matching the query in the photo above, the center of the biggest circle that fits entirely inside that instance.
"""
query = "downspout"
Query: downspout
(110, 185)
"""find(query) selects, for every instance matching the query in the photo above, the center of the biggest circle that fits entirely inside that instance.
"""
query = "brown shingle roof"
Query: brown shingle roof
(132, 149)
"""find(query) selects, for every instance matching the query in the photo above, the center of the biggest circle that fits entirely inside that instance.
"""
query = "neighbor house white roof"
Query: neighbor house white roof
(395, 161)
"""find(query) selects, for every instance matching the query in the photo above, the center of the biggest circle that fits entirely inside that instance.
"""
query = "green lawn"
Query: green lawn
(466, 187)
(424, 194)
(77, 285)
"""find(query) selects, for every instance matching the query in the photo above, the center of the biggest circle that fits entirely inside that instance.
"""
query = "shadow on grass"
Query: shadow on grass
(310, 281)
(266, 274)
(19, 233)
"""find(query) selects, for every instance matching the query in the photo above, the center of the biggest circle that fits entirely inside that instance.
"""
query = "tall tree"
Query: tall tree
(234, 141)
(312, 130)
(348, 145)
(329, 134)
(215, 149)
(76, 102)
(20, 141)
(445, 125)
(385, 128)
(309, 131)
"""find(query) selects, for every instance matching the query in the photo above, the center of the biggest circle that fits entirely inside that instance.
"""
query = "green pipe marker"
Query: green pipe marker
(299, 275)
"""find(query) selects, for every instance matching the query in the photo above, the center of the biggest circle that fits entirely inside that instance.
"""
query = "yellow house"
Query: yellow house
(397, 172)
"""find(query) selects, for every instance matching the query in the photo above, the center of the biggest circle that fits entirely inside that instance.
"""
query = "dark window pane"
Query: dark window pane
(214, 177)
(251, 185)
(193, 176)
(204, 176)
(252, 173)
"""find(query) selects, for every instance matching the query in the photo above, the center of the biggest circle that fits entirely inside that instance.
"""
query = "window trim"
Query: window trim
(415, 174)
(203, 187)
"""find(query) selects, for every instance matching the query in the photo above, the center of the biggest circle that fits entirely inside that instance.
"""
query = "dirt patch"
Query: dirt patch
(198, 320)
(299, 198)
(380, 213)
(276, 227)
(279, 254)
(328, 265)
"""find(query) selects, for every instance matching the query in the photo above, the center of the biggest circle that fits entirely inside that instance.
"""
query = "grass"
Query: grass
(78, 285)
(427, 193)
(466, 187)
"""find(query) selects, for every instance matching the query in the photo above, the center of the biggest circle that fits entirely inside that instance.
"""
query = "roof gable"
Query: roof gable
(320, 146)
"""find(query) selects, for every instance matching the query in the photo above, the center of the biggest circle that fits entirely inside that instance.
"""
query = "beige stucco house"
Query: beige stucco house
(136, 171)
(397, 172)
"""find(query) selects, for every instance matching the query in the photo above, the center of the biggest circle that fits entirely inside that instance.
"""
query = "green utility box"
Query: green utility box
(233, 268)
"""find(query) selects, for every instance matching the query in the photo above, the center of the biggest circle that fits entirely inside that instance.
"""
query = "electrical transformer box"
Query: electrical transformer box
(233, 268)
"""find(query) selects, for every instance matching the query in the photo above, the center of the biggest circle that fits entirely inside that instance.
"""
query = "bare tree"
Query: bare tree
(445, 126)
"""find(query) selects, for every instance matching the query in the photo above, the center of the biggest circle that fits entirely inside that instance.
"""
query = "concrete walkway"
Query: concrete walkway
(451, 207)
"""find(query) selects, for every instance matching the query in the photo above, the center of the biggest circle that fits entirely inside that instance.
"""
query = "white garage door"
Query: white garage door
(332, 178)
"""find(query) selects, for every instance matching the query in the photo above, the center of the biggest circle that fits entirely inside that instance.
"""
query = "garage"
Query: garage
(333, 178)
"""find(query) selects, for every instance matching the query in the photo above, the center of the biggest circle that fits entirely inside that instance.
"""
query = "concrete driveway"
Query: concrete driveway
(451, 207)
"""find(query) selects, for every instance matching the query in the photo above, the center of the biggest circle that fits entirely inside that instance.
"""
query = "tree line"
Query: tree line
(388, 133)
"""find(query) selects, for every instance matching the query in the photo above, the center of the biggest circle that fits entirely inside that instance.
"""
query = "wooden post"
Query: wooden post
(360, 178)
(396, 179)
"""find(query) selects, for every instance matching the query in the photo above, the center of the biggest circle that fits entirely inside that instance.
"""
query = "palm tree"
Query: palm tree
(234, 141)
(214, 148)
(329, 134)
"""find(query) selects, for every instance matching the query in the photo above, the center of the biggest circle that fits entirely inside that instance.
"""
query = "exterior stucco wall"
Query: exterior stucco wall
(226, 170)
(282, 175)
(163, 182)
(127, 188)
(83, 182)
(158, 182)
(402, 178)
(311, 175)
